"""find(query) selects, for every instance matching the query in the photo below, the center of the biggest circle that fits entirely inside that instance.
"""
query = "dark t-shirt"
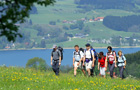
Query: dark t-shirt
(56, 54)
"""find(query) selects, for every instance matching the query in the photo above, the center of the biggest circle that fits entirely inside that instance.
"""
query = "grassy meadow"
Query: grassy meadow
(14, 78)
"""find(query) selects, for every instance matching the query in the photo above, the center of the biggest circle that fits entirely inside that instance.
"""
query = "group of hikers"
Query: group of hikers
(85, 59)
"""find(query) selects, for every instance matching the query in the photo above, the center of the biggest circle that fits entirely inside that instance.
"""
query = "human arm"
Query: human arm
(124, 62)
(98, 65)
(73, 61)
(106, 62)
(59, 58)
(51, 60)
(93, 59)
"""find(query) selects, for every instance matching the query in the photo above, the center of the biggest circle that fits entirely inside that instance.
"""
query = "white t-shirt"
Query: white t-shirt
(88, 53)
(77, 56)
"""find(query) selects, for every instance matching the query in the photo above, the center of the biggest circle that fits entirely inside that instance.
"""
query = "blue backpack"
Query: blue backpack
(95, 53)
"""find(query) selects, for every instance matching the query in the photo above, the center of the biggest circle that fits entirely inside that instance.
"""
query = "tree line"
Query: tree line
(125, 23)
(108, 4)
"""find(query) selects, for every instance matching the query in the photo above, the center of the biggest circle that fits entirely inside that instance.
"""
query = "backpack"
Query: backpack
(61, 51)
(95, 53)
(81, 49)
(111, 62)
(121, 57)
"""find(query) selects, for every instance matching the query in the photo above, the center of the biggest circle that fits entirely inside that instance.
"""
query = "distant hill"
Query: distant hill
(108, 4)
(126, 23)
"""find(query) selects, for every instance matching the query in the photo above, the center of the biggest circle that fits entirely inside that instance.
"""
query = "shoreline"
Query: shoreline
(64, 48)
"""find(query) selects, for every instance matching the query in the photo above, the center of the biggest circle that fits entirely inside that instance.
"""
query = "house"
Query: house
(91, 20)
(99, 19)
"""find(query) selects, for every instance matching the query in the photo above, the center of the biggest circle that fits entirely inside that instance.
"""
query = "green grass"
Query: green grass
(27, 79)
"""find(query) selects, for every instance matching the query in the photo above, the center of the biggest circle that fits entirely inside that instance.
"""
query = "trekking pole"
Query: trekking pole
(126, 71)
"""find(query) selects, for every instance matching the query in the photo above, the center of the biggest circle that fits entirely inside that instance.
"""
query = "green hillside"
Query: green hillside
(66, 10)
(46, 28)
(28, 79)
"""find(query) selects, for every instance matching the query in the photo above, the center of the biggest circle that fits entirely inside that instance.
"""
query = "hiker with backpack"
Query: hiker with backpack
(88, 59)
(111, 58)
(56, 59)
(121, 60)
(101, 64)
(95, 57)
(78, 60)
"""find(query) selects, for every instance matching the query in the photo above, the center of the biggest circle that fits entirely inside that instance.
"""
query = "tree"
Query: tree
(80, 24)
(52, 23)
(14, 12)
(30, 22)
(43, 44)
(37, 63)
(115, 41)
(131, 42)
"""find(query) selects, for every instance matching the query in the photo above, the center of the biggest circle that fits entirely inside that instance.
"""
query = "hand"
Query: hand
(124, 67)
(78, 64)
(98, 68)
(83, 64)
(115, 65)
(92, 65)
(51, 63)
(106, 69)
(73, 64)
(59, 64)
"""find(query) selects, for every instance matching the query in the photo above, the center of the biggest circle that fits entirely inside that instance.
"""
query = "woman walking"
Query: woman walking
(121, 60)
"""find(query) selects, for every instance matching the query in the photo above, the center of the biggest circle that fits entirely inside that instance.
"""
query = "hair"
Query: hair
(119, 52)
(109, 47)
(101, 54)
(76, 46)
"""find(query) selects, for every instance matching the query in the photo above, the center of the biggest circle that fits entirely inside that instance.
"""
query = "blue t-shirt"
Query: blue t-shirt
(121, 61)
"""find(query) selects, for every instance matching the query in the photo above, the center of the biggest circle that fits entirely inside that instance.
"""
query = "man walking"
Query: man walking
(89, 59)
(77, 60)
(55, 60)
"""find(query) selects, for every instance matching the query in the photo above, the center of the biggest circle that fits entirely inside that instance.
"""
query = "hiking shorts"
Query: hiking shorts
(75, 64)
(88, 65)
(102, 71)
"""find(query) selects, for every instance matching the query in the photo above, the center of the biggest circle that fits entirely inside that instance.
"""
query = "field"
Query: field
(14, 78)
(66, 10)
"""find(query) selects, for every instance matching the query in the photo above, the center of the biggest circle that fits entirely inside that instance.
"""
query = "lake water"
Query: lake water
(20, 57)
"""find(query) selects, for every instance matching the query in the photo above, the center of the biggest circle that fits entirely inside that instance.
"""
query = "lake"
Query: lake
(20, 57)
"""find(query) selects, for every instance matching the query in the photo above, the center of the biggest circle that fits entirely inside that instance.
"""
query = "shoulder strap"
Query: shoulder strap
(91, 54)
(58, 52)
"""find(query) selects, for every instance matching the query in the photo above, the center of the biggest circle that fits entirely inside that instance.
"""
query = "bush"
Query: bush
(37, 63)
(52, 23)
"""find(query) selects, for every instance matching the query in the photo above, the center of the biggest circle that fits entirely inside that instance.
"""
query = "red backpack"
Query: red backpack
(113, 54)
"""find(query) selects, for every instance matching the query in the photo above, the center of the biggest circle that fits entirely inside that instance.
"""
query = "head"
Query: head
(120, 53)
(54, 47)
(76, 47)
(87, 46)
(101, 54)
(109, 48)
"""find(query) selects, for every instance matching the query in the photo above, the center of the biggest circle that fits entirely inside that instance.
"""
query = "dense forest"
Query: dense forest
(133, 64)
(108, 4)
(126, 23)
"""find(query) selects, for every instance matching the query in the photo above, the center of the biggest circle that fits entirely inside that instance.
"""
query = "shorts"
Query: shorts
(102, 71)
(75, 64)
(88, 65)
(80, 66)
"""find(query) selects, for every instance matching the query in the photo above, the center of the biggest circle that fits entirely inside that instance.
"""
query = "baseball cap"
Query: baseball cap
(87, 45)
(54, 46)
